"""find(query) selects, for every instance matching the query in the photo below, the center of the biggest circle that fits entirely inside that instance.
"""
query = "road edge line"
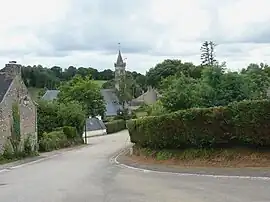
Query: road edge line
(115, 160)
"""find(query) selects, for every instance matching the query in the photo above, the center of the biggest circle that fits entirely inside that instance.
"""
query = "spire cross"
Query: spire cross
(119, 46)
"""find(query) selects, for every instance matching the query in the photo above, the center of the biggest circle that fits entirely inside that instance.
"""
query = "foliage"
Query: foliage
(10, 152)
(216, 87)
(28, 149)
(108, 85)
(15, 138)
(115, 126)
(52, 141)
(70, 132)
(156, 109)
(59, 138)
(240, 123)
(125, 93)
(185, 92)
(122, 114)
(86, 92)
(42, 77)
(52, 115)
(169, 68)
(208, 53)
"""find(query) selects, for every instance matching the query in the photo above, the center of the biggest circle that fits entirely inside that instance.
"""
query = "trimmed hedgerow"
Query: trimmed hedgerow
(115, 126)
(240, 123)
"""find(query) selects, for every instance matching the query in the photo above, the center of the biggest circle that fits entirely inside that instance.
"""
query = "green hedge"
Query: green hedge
(115, 126)
(243, 123)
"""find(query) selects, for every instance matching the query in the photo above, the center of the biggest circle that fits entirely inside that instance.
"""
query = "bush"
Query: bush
(115, 126)
(156, 109)
(52, 115)
(53, 140)
(61, 137)
(240, 123)
(70, 132)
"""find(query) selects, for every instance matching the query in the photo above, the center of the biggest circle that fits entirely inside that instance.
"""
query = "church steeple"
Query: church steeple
(119, 61)
(120, 69)
(119, 58)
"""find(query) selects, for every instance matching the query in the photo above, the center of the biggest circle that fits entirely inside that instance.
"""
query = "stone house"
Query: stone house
(13, 92)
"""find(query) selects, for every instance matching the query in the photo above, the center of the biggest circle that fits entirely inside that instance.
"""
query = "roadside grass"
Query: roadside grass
(229, 157)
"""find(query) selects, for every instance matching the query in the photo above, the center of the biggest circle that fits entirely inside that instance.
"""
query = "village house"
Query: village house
(13, 92)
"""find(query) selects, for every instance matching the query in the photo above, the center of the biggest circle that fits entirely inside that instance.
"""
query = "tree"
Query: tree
(208, 53)
(257, 80)
(168, 68)
(86, 92)
(125, 90)
(52, 115)
(185, 92)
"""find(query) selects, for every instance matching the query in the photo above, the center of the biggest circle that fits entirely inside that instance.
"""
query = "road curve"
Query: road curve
(88, 175)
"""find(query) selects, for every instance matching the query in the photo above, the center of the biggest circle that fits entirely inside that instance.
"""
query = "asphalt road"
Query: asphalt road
(88, 175)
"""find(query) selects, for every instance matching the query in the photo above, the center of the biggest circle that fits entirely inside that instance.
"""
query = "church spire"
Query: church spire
(119, 58)
(120, 69)
(119, 61)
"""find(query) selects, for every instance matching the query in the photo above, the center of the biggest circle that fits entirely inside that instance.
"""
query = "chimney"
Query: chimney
(12, 69)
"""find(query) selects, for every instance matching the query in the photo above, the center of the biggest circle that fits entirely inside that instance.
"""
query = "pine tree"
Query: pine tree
(208, 53)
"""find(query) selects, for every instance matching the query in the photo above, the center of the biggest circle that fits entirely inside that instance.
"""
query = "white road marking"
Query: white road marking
(186, 174)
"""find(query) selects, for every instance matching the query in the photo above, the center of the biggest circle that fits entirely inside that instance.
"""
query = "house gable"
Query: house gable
(16, 92)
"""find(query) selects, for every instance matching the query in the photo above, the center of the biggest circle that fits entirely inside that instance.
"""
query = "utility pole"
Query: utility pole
(85, 135)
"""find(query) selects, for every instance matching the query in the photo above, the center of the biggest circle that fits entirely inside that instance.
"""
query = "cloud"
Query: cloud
(86, 33)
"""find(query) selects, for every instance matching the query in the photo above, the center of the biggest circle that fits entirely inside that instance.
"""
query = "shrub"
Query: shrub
(28, 150)
(53, 140)
(70, 132)
(60, 138)
(240, 123)
(115, 126)
(52, 115)
(156, 109)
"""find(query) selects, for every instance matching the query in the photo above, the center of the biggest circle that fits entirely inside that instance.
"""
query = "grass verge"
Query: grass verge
(233, 157)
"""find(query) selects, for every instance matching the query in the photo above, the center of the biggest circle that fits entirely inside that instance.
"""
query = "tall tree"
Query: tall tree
(208, 53)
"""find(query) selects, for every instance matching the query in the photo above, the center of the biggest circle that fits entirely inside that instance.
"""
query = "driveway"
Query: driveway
(88, 175)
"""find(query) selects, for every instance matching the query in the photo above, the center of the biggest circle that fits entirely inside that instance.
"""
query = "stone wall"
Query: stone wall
(18, 93)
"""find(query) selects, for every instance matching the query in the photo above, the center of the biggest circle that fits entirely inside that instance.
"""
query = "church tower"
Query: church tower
(120, 69)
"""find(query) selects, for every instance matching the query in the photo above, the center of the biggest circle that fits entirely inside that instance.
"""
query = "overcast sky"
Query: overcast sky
(86, 32)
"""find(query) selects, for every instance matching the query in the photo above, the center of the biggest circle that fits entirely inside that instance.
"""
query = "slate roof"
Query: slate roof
(5, 82)
(93, 124)
(50, 95)
(112, 102)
